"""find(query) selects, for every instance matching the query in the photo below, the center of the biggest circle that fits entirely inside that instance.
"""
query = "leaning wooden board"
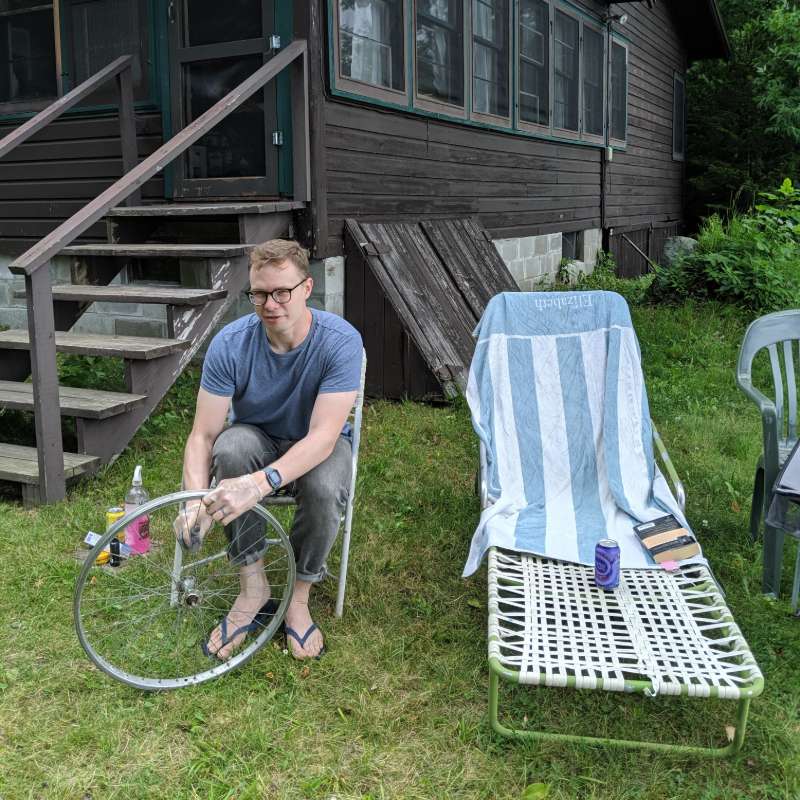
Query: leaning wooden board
(438, 275)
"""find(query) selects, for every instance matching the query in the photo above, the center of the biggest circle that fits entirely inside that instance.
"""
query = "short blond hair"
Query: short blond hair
(274, 252)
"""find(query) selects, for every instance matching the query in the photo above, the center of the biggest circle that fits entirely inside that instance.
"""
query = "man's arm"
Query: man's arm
(209, 420)
(327, 420)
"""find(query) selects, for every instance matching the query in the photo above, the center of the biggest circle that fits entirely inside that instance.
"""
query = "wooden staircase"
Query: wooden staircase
(204, 249)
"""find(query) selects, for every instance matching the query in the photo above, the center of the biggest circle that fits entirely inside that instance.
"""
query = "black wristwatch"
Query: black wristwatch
(273, 478)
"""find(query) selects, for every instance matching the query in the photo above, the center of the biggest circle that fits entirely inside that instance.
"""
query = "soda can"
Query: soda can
(606, 564)
(112, 515)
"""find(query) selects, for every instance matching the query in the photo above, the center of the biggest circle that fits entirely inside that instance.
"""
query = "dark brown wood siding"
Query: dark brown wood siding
(50, 177)
(645, 184)
(386, 164)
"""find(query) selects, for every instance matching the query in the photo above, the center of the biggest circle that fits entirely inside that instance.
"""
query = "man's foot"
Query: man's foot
(232, 631)
(303, 638)
(222, 643)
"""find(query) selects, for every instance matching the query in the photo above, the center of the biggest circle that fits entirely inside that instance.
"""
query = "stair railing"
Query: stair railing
(38, 288)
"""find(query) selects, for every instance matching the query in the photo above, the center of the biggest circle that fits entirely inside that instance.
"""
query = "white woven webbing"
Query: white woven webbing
(549, 622)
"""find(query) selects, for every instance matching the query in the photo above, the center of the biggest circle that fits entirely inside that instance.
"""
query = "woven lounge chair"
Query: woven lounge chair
(659, 632)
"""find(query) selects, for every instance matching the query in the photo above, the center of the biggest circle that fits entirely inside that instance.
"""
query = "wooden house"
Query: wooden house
(149, 143)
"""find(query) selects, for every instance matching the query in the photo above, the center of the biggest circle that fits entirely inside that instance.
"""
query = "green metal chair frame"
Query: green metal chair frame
(779, 333)
(680, 608)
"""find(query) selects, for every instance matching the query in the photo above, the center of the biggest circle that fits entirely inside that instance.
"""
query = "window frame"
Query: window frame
(480, 116)
(12, 108)
(412, 101)
(65, 74)
(382, 93)
(597, 138)
(613, 40)
(566, 133)
(678, 78)
(426, 102)
(522, 124)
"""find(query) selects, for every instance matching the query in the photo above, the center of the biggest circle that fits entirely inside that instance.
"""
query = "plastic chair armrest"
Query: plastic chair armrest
(769, 414)
(669, 468)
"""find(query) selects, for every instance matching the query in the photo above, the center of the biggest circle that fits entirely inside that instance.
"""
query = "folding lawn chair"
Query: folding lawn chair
(558, 402)
(145, 621)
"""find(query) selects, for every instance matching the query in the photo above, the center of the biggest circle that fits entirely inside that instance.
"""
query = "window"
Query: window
(440, 51)
(619, 92)
(570, 73)
(371, 42)
(27, 51)
(534, 62)
(99, 32)
(679, 119)
(566, 65)
(490, 67)
(593, 74)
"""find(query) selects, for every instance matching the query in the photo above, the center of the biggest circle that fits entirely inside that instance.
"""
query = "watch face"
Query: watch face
(274, 478)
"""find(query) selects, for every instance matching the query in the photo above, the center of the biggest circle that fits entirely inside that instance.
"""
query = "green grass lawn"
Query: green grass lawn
(398, 706)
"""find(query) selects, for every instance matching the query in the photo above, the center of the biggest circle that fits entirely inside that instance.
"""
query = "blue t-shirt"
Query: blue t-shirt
(277, 391)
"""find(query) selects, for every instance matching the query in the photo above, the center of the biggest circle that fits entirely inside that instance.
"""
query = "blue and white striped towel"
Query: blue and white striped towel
(558, 398)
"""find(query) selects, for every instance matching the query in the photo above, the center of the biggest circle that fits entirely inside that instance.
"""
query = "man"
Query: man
(291, 374)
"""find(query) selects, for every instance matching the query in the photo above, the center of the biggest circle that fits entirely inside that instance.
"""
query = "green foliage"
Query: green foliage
(397, 708)
(750, 260)
(604, 277)
(91, 372)
(744, 114)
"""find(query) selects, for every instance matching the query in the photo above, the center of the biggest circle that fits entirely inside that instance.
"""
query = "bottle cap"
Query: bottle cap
(137, 475)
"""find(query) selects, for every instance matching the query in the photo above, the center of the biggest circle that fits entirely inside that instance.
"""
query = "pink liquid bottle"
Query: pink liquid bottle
(137, 534)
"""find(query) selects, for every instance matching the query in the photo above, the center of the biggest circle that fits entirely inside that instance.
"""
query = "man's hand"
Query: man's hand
(231, 498)
(192, 524)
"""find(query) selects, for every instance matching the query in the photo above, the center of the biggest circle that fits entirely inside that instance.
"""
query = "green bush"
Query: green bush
(604, 276)
(751, 260)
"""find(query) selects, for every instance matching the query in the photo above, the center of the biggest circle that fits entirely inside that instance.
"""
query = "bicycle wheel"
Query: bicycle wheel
(144, 622)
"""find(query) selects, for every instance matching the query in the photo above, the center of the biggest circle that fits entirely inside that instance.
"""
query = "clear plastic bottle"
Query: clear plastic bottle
(137, 534)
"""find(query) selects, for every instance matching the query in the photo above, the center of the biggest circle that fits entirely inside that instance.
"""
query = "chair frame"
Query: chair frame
(283, 499)
(769, 332)
(498, 671)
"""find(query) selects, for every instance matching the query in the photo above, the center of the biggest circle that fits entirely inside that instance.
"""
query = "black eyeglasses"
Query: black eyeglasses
(281, 296)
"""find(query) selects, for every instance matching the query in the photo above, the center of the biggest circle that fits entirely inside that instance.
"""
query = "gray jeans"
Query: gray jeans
(321, 496)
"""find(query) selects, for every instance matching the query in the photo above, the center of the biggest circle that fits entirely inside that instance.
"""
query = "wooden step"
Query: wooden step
(85, 403)
(135, 347)
(206, 209)
(156, 250)
(21, 464)
(135, 293)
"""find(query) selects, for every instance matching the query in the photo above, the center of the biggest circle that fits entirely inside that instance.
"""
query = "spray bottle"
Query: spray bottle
(137, 534)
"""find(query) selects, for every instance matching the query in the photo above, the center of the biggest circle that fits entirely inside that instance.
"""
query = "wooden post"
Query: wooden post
(127, 128)
(44, 373)
(301, 147)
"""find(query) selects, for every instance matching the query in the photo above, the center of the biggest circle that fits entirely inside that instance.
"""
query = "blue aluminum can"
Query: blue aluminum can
(606, 564)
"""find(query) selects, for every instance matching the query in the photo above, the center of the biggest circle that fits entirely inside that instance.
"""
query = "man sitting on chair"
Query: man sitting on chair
(291, 374)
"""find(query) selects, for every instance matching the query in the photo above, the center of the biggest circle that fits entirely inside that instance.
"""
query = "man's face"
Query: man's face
(280, 317)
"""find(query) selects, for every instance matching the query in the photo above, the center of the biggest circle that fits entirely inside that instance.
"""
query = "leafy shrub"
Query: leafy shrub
(751, 260)
(604, 276)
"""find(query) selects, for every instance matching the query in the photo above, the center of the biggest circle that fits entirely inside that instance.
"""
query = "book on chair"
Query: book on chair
(666, 539)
